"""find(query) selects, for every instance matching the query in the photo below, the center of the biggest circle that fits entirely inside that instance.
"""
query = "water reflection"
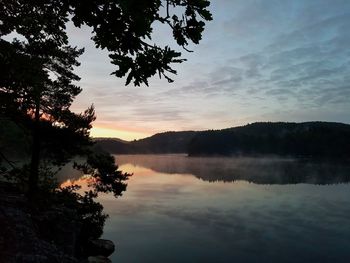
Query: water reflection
(254, 170)
(168, 215)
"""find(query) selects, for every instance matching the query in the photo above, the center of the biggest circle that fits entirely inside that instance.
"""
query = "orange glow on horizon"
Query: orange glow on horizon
(83, 182)
(123, 134)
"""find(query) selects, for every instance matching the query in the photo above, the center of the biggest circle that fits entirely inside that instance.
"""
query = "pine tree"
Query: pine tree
(36, 85)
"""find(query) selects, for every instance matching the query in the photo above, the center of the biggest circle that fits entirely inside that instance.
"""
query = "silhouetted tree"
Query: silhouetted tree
(36, 87)
(40, 103)
(124, 28)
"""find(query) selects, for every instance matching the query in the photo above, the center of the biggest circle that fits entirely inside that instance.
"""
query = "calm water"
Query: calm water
(180, 209)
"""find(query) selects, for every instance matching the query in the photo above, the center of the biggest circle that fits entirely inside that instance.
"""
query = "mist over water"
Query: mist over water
(180, 209)
(259, 170)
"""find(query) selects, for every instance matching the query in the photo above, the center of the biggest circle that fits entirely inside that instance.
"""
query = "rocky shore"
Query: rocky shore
(49, 236)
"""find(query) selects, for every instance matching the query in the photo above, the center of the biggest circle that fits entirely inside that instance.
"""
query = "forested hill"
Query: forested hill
(311, 139)
(294, 139)
(167, 142)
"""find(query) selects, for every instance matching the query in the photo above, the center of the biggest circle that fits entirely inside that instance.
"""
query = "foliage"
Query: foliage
(38, 87)
(124, 28)
(90, 212)
(107, 177)
(309, 139)
(37, 84)
(67, 208)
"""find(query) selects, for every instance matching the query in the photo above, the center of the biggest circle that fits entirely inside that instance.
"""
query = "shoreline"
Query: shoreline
(43, 235)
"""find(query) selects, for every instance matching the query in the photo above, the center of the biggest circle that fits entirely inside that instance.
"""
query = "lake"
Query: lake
(182, 209)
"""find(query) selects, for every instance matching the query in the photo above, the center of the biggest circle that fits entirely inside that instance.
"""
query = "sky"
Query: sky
(259, 60)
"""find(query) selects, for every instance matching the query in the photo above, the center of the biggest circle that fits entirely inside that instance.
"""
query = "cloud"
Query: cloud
(257, 59)
(309, 64)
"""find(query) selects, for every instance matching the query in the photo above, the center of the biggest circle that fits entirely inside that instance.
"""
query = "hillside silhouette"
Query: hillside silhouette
(307, 139)
(167, 142)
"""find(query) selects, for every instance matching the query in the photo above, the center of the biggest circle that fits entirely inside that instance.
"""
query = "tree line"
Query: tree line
(309, 139)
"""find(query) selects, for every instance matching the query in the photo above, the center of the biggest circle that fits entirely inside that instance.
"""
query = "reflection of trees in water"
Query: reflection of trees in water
(104, 175)
(255, 170)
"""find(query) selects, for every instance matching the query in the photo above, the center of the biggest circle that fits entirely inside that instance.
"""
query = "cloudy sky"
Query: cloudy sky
(259, 60)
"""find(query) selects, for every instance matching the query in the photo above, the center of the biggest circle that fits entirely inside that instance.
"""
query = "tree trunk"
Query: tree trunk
(34, 163)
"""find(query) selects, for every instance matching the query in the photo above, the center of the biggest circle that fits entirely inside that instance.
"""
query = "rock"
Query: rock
(20, 240)
(63, 232)
(101, 247)
(99, 259)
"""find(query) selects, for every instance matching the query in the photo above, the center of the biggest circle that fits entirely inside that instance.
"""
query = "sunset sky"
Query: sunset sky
(259, 60)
